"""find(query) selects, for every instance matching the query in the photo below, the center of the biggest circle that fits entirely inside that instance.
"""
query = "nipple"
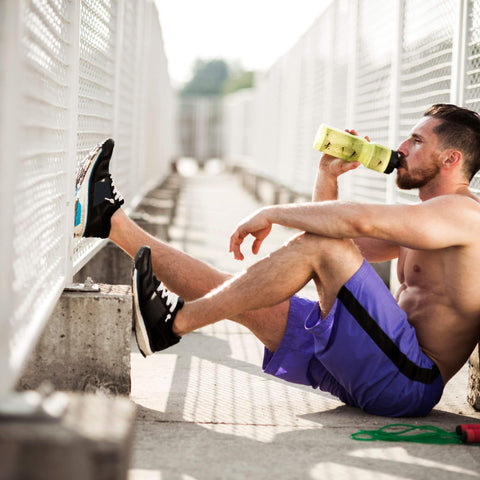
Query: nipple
(417, 269)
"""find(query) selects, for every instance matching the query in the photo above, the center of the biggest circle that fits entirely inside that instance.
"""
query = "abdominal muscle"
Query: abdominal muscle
(444, 335)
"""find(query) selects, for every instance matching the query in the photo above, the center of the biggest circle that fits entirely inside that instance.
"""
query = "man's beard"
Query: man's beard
(417, 178)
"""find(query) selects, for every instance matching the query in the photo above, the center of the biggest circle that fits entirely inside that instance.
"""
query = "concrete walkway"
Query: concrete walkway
(206, 410)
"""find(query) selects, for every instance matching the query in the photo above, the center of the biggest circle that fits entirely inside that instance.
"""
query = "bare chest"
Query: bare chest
(439, 278)
(422, 269)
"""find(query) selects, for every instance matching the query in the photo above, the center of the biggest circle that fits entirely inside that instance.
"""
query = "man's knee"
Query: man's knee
(326, 255)
(316, 245)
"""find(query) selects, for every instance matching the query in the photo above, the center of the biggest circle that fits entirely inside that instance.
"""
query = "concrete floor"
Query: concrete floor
(206, 410)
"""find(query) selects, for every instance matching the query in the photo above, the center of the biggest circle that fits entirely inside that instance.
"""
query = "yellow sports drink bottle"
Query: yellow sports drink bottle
(349, 147)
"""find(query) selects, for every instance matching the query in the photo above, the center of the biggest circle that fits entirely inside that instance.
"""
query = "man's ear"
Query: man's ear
(451, 157)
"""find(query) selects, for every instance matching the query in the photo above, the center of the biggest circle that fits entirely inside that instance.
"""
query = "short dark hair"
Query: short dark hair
(459, 129)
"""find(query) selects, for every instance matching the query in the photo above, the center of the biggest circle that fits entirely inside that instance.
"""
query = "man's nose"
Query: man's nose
(403, 148)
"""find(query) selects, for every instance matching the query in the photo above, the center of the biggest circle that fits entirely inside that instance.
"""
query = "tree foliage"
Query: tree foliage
(208, 78)
(216, 77)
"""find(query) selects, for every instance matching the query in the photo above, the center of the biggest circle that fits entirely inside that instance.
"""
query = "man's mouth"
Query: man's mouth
(402, 163)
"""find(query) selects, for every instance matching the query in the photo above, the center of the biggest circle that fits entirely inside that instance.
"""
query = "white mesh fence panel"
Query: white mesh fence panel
(38, 133)
(7, 365)
(155, 131)
(127, 85)
(71, 74)
(372, 82)
(96, 89)
(238, 115)
(314, 78)
(426, 68)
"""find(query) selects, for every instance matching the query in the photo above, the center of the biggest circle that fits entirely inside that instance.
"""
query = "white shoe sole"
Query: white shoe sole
(140, 329)
(83, 195)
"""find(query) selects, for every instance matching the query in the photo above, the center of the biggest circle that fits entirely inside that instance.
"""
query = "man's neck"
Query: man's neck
(437, 188)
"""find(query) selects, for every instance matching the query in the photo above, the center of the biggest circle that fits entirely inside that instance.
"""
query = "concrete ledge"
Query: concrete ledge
(111, 265)
(157, 210)
(92, 440)
(86, 344)
(267, 190)
(156, 225)
(158, 206)
(473, 393)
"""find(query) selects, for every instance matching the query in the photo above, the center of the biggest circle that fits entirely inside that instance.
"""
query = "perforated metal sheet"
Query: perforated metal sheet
(70, 77)
(316, 101)
(128, 82)
(39, 194)
(371, 112)
(96, 89)
(426, 63)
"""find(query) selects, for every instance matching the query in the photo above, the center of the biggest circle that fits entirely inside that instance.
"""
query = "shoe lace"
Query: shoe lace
(170, 298)
(116, 194)
(82, 167)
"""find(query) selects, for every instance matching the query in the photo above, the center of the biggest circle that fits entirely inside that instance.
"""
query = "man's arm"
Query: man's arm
(445, 221)
(326, 180)
(326, 188)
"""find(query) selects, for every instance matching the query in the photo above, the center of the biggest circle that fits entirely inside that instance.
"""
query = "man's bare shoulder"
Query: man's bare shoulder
(444, 221)
(458, 202)
(474, 197)
(461, 196)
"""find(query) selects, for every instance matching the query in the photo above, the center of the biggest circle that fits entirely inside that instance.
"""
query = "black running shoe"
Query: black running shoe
(96, 198)
(154, 307)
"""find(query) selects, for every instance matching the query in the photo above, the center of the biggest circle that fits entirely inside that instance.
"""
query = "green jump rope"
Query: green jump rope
(401, 432)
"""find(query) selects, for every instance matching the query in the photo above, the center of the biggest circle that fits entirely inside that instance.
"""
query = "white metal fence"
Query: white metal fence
(72, 73)
(373, 65)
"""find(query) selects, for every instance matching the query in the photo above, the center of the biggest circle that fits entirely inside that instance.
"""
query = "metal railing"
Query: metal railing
(72, 73)
(372, 65)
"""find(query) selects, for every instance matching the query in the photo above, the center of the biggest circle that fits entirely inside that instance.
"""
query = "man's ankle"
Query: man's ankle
(177, 325)
(115, 222)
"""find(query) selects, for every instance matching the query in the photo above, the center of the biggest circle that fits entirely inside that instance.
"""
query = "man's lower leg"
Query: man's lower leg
(181, 273)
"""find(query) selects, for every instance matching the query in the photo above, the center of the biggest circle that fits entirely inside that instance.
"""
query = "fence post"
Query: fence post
(459, 53)
(72, 139)
(9, 121)
(347, 181)
(394, 114)
(352, 64)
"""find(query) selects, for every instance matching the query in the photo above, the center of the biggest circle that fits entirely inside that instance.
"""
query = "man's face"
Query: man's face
(421, 156)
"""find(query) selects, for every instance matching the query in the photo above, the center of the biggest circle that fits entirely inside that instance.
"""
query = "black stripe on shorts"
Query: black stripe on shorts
(385, 343)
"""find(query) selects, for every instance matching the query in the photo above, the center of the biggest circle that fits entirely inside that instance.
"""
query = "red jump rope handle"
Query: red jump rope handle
(471, 436)
(467, 426)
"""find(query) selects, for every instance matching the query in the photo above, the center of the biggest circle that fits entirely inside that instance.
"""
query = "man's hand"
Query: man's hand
(257, 225)
(329, 169)
(335, 166)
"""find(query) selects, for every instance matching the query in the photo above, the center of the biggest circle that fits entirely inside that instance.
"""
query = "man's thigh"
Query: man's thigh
(333, 261)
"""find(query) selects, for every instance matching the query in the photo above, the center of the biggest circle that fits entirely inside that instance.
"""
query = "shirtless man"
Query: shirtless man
(388, 355)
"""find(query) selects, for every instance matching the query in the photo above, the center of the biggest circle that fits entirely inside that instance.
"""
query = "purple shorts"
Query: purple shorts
(364, 351)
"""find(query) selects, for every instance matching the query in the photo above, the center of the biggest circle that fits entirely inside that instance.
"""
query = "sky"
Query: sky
(254, 33)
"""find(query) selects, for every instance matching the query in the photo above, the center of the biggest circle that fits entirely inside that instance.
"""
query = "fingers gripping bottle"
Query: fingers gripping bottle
(355, 149)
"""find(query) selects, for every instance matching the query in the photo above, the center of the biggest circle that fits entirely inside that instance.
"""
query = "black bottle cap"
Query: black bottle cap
(393, 163)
